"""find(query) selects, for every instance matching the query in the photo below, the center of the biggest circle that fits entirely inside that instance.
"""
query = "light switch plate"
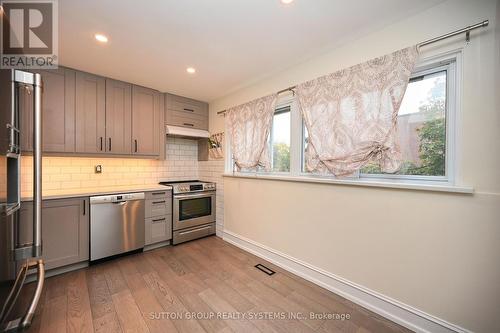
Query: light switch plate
(98, 168)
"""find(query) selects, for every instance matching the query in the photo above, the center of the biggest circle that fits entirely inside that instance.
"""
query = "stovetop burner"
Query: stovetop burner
(189, 186)
(180, 182)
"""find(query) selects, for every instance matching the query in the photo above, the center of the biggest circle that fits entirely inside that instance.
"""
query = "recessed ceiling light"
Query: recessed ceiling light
(286, 2)
(101, 38)
(191, 70)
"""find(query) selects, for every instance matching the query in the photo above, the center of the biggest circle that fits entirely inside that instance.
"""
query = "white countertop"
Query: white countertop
(86, 192)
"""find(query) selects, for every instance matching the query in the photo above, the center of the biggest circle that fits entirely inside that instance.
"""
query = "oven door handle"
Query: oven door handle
(193, 196)
(182, 233)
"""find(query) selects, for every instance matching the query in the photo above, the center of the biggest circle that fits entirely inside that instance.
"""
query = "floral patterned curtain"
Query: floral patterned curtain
(351, 114)
(248, 128)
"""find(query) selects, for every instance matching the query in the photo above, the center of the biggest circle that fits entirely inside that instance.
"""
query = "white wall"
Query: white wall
(211, 171)
(437, 252)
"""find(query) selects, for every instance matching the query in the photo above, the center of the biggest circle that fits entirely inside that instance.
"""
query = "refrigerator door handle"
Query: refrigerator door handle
(35, 249)
(25, 321)
(24, 251)
(14, 292)
(37, 165)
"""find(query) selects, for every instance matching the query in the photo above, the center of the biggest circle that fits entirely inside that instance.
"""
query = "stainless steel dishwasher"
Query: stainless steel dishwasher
(116, 224)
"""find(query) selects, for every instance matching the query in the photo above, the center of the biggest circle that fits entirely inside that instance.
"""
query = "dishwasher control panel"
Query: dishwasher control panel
(117, 198)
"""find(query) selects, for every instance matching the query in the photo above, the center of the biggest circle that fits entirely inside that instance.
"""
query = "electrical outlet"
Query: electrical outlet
(98, 168)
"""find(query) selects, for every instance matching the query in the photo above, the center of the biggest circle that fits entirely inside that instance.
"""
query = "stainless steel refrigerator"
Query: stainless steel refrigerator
(17, 259)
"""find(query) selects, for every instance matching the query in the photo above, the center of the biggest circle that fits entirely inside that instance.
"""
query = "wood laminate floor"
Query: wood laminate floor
(208, 280)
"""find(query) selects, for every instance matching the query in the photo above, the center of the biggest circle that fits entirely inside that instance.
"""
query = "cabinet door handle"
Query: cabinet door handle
(188, 124)
(158, 202)
(158, 220)
(101, 143)
(189, 110)
(109, 144)
(135, 143)
(84, 206)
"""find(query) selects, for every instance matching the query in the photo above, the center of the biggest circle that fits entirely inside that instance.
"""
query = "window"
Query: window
(280, 140)
(426, 127)
(423, 127)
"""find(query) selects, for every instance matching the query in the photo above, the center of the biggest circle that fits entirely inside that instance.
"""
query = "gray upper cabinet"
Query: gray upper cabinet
(87, 114)
(118, 117)
(90, 113)
(65, 230)
(186, 112)
(145, 121)
(58, 105)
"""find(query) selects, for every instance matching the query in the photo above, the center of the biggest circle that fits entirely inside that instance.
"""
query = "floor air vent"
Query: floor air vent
(264, 269)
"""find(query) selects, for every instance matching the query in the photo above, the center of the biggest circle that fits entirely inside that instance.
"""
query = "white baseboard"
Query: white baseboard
(387, 307)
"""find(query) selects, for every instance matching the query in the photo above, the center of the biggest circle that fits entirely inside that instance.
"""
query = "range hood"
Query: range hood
(186, 132)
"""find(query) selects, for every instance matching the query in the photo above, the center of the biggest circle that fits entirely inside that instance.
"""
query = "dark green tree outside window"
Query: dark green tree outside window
(432, 138)
(281, 157)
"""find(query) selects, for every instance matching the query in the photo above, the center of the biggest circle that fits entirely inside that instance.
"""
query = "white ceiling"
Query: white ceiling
(231, 43)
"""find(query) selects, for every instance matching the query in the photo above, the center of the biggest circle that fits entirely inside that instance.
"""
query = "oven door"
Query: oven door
(193, 209)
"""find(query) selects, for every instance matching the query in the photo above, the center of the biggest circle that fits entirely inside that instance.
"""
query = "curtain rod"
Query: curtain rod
(465, 30)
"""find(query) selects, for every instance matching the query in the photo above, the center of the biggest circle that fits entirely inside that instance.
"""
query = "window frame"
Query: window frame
(282, 108)
(452, 61)
(450, 110)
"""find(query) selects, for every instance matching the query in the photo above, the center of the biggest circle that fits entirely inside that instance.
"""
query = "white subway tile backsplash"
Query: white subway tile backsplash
(212, 171)
(66, 173)
(78, 172)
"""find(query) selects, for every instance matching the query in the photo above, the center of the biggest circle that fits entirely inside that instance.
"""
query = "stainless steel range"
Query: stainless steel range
(193, 210)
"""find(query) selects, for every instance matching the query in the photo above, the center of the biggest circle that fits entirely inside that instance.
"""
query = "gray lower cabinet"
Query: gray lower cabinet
(65, 230)
(158, 212)
(158, 229)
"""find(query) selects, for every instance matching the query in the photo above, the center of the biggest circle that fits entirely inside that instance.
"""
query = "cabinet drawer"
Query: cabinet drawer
(190, 121)
(186, 105)
(159, 195)
(188, 108)
(193, 233)
(158, 229)
(158, 207)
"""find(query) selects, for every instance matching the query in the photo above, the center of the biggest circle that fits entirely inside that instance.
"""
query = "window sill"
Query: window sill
(420, 186)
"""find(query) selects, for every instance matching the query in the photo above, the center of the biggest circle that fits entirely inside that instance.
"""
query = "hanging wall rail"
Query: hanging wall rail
(465, 30)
